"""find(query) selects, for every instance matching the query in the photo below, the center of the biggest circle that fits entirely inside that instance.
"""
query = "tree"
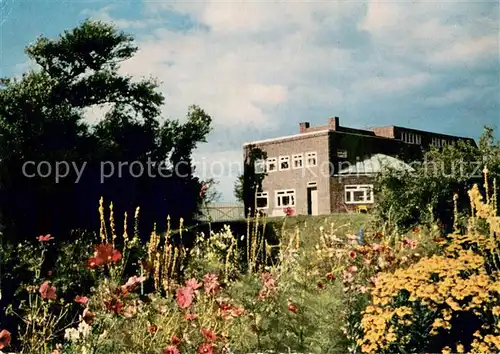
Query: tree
(426, 194)
(42, 121)
(250, 182)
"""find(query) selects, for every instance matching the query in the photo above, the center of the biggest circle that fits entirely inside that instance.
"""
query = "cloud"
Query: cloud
(260, 67)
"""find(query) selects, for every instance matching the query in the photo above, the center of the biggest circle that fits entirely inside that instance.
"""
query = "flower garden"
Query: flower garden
(334, 290)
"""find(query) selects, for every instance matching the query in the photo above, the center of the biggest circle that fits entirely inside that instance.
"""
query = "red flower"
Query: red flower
(211, 284)
(81, 299)
(416, 230)
(114, 305)
(209, 334)
(321, 285)
(184, 297)
(330, 276)
(5, 338)
(352, 254)
(289, 211)
(45, 238)
(193, 284)
(88, 316)
(205, 348)
(175, 340)
(47, 291)
(203, 190)
(171, 349)
(292, 307)
(379, 235)
(190, 316)
(107, 254)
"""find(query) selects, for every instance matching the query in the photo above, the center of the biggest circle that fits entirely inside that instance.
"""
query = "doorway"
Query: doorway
(312, 198)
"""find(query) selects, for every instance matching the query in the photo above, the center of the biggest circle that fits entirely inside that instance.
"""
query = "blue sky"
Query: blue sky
(260, 68)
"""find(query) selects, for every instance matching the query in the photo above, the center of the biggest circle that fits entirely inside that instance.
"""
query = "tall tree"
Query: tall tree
(42, 121)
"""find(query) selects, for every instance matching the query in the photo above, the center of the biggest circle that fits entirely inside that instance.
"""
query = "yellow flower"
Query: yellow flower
(460, 348)
(446, 350)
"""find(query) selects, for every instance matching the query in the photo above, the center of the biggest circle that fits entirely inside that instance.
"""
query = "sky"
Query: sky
(261, 67)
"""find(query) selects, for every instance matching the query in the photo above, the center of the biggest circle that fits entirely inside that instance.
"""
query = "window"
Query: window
(284, 162)
(411, 138)
(298, 161)
(359, 194)
(272, 164)
(262, 200)
(342, 154)
(311, 159)
(285, 198)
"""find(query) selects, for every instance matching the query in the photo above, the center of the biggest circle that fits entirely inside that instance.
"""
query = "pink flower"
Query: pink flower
(292, 307)
(184, 297)
(190, 316)
(5, 338)
(205, 348)
(132, 283)
(171, 349)
(45, 238)
(211, 284)
(289, 211)
(203, 190)
(47, 291)
(410, 243)
(193, 284)
(81, 299)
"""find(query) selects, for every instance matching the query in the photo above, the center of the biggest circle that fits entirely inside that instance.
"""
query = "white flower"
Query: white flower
(71, 334)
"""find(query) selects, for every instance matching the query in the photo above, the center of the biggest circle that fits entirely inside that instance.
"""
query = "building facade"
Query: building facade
(331, 168)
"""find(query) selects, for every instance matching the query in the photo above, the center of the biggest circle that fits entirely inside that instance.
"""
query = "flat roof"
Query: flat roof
(287, 137)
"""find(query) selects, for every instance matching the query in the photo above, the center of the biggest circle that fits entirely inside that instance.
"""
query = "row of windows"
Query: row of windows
(437, 142)
(353, 194)
(411, 138)
(282, 163)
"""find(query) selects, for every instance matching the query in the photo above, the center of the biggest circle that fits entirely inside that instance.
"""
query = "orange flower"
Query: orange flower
(47, 291)
(45, 238)
(5, 338)
(209, 334)
(88, 316)
(81, 299)
(152, 328)
(205, 348)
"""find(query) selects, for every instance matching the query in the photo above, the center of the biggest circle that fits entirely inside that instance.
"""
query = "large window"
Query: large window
(285, 198)
(284, 163)
(272, 164)
(298, 161)
(359, 194)
(262, 200)
(311, 159)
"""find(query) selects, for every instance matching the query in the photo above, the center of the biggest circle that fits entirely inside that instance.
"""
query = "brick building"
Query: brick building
(331, 168)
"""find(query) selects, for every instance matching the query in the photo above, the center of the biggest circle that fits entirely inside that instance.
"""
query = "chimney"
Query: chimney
(333, 123)
(303, 127)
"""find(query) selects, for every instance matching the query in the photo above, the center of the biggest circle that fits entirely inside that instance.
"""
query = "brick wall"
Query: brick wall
(298, 178)
(337, 193)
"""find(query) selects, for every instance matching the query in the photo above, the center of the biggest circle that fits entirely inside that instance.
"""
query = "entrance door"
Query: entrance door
(312, 200)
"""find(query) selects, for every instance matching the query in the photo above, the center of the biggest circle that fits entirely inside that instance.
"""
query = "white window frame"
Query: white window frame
(262, 195)
(284, 192)
(269, 161)
(284, 159)
(350, 189)
(297, 158)
(309, 155)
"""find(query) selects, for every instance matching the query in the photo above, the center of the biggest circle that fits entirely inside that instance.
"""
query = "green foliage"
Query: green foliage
(422, 196)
